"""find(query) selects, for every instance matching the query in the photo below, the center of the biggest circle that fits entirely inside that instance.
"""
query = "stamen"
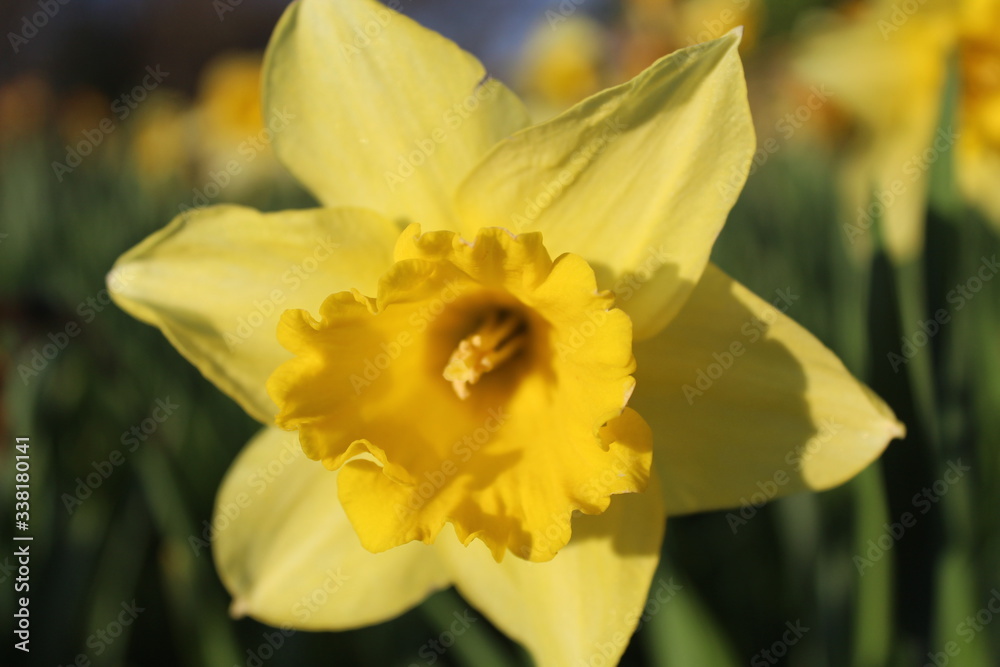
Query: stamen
(498, 338)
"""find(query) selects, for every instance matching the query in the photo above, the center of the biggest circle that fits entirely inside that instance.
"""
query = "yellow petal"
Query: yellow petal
(582, 607)
(876, 69)
(747, 405)
(506, 450)
(637, 180)
(288, 555)
(216, 280)
(887, 183)
(382, 113)
(890, 78)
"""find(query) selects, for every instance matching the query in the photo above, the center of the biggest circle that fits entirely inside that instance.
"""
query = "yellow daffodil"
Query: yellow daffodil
(570, 56)
(159, 141)
(887, 65)
(228, 105)
(562, 62)
(655, 27)
(497, 356)
(233, 151)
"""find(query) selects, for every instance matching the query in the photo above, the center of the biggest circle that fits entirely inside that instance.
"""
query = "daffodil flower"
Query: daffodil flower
(497, 355)
(887, 65)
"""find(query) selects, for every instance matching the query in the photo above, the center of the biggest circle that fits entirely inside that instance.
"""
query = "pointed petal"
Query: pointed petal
(287, 553)
(216, 281)
(382, 113)
(744, 402)
(879, 189)
(638, 179)
(586, 602)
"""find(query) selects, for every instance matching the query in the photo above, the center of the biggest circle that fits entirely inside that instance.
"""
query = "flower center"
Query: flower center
(498, 338)
(546, 432)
